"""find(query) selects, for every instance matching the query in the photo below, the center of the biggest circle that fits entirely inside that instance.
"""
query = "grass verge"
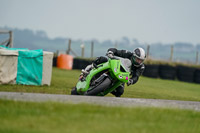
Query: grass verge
(64, 80)
(28, 117)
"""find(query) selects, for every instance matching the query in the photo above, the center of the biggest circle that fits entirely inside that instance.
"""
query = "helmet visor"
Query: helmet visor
(137, 61)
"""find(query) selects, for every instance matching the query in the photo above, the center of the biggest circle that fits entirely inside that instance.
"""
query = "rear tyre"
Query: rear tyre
(103, 86)
(74, 91)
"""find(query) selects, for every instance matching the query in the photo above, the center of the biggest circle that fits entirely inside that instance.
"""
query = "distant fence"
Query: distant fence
(181, 73)
(171, 57)
(9, 41)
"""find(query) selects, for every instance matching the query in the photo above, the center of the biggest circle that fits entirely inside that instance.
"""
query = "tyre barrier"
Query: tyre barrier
(185, 73)
(81, 64)
(182, 73)
(197, 76)
(54, 61)
(151, 71)
(167, 72)
(76, 63)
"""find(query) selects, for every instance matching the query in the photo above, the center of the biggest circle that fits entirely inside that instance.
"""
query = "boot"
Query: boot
(86, 71)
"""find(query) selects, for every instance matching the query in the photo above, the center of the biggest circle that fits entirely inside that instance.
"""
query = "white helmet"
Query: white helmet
(138, 56)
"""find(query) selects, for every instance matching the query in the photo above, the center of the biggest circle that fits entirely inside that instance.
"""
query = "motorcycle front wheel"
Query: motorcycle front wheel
(96, 90)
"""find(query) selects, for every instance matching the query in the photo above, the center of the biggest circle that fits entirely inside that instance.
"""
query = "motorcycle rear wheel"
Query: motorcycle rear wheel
(74, 91)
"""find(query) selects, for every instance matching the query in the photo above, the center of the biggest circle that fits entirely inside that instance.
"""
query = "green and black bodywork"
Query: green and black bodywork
(105, 78)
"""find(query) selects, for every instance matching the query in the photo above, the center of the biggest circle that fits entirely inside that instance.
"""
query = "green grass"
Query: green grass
(52, 117)
(28, 117)
(64, 80)
(163, 89)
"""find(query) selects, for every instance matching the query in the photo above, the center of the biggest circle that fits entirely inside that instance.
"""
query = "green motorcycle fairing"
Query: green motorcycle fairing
(114, 69)
(83, 86)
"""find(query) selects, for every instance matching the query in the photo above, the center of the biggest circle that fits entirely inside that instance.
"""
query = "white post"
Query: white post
(82, 50)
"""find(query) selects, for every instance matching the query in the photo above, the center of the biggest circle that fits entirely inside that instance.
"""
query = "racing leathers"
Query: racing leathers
(136, 71)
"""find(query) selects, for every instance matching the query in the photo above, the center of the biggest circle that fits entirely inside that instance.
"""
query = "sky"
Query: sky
(148, 21)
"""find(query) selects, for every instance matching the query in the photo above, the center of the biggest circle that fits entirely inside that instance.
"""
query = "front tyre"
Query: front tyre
(103, 86)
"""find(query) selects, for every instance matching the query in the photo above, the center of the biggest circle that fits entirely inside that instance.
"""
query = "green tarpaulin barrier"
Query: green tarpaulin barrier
(2, 46)
(29, 69)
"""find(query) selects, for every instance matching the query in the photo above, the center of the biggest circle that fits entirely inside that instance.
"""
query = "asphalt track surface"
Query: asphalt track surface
(105, 101)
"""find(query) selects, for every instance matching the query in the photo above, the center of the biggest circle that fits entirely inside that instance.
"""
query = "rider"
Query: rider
(137, 58)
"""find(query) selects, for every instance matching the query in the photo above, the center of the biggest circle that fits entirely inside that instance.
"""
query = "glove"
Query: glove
(110, 54)
(130, 82)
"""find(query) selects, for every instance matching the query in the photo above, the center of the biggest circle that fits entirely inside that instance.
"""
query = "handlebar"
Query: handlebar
(114, 57)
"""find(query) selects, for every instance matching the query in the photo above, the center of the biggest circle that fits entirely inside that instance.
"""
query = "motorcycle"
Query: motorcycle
(104, 78)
